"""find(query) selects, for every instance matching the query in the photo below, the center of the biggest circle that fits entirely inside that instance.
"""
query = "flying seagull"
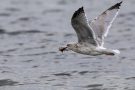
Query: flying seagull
(91, 34)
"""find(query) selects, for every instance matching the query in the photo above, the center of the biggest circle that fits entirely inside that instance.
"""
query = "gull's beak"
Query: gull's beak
(62, 49)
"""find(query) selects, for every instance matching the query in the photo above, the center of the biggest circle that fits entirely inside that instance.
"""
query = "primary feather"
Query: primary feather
(103, 22)
(82, 27)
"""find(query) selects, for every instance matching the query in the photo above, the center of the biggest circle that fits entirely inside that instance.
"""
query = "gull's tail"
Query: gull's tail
(116, 52)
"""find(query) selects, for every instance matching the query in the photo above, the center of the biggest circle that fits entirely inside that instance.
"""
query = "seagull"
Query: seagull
(91, 34)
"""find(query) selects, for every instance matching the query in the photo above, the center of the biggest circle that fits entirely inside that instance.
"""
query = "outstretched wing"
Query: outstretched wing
(103, 22)
(82, 27)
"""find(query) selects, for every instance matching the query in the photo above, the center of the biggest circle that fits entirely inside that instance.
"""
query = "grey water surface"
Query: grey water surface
(31, 31)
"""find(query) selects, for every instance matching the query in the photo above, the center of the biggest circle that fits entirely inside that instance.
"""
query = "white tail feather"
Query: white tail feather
(116, 52)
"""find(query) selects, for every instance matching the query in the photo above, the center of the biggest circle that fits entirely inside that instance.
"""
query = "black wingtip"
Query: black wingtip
(79, 11)
(121, 2)
(116, 6)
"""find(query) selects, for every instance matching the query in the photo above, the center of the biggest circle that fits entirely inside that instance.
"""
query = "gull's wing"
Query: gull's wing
(103, 22)
(82, 27)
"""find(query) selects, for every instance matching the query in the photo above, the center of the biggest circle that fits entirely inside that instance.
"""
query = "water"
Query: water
(31, 31)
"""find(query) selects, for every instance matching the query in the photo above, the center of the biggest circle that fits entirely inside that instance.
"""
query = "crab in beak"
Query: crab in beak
(62, 49)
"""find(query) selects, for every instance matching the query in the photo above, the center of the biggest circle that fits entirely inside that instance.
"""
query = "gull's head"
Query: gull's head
(72, 46)
(69, 47)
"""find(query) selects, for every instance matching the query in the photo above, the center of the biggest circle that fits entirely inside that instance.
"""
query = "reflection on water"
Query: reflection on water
(31, 31)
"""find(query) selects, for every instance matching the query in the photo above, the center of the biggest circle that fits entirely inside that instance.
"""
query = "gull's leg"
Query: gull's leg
(110, 53)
